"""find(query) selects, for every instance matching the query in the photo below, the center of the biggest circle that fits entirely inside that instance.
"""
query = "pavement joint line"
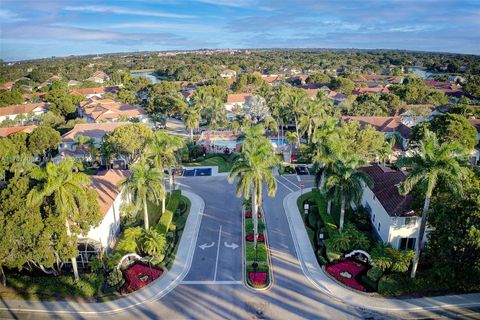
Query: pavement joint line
(218, 253)
(278, 180)
(291, 182)
(225, 282)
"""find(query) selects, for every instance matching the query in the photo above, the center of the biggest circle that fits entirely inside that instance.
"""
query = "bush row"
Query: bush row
(163, 225)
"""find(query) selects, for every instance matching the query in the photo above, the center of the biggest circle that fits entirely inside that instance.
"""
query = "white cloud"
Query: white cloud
(125, 11)
(7, 16)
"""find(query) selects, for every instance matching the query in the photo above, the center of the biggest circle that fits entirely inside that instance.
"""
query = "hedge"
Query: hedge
(163, 225)
(397, 285)
(88, 286)
(331, 253)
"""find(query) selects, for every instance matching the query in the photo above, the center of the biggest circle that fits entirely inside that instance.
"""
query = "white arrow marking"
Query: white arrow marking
(206, 245)
(233, 245)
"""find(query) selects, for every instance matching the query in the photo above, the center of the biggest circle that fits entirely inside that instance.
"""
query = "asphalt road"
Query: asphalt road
(213, 288)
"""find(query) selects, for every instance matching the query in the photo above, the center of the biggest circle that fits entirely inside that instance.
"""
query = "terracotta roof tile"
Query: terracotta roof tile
(5, 132)
(385, 188)
(92, 130)
(105, 184)
(382, 124)
(22, 108)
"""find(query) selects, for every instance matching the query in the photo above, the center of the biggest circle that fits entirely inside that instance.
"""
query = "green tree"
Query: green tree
(192, 120)
(9, 98)
(144, 183)
(252, 169)
(434, 162)
(296, 102)
(42, 140)
(152, 242)
(75, 206)
(130, 140)
(127, 96)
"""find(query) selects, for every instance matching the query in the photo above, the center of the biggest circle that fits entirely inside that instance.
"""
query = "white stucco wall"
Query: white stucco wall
(107, 231)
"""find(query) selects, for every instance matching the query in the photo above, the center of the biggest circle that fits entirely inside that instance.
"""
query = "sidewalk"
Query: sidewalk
(155, 291)
(316, 275)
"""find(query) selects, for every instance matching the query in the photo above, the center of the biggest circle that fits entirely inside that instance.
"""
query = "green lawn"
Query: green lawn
(223, 166)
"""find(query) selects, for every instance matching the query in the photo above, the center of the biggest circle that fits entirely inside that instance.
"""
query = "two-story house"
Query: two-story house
(391, 214)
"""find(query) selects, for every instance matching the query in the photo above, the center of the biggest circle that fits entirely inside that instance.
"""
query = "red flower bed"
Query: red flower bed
(260, 237)
(257, 279)
(138, 276)
(248, 214)
(346, 272)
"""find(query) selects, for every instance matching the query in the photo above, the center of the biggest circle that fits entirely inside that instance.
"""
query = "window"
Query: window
(410, 221)
(407, 243)
(379, 226)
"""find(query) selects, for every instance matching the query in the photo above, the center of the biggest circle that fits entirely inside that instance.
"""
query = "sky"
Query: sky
(43, 28)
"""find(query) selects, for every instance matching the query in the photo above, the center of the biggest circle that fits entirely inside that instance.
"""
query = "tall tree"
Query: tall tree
(192, 120)
(297, 101)
(67, 190)
(254, 168)
(434, 162)
(145, 183)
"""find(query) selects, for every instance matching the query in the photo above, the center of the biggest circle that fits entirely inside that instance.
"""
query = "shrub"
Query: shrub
(374, 274)
(96, 264)
(261, 252)
(396, 285)
(163, 225)
(387, 258)
(262, 267)
(313, 218)
(372, 285)
(321, 259)
(115, 278)
(249, 252)
(330, 251)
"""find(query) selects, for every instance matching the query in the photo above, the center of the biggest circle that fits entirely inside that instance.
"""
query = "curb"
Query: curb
(349, 296)
(166, 283)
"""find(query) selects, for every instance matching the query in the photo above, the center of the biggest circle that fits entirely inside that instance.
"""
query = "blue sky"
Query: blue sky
(43, 28)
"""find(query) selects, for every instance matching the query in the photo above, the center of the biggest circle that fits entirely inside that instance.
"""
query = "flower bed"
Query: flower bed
(257, 279)
(347, 273)
(260, 238)
(248, 214)
(139, 275)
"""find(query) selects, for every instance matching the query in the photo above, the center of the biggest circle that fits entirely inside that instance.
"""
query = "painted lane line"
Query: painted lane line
(298, 178)
(284, 185)
(296, 186)
(211, 282)
(218, 253)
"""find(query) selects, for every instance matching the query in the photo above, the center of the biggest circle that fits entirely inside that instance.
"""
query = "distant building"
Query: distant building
(236, 100)
(95, 131)
(98, 92)
(72, 83)
(5, 132)
(28, 111)
(108, 110)
(99, 77)
(391, 214)
(228, 74)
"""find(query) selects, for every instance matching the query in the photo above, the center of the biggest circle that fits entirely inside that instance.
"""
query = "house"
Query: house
(7, 86)
(187, 94)
(273, 79)
(108, 110)
(95, 131)
(337, 97)
(99, 77)
(5, 132)
(228, 74)
(110, 201)
(98, 92)
(27, 111)
(373, 89)
(72, 83)
(476, 153)
(236, 100)
(387, 125)
(390, 212)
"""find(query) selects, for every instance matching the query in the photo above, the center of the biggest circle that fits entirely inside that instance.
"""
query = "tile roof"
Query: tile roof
(97, 90)
(385, 188)
(237, 97)
(5, 132)
(22, 108)
(105, 184)
(103, 109)
(92, 130)
(382, 124)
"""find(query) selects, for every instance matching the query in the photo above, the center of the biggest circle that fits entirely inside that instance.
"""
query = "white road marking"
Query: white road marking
(298, 178)
(211, 282)
(296, 186)
(232, 246)
(206, 245)
(218, 252)
(284, 185)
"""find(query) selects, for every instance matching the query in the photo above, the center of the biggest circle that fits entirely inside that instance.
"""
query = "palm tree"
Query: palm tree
(297, 100)
(152, 242)
(145, 183)
(163, 151)
(216, 113)
(345, 182)
(67, 189)
(434, 161)
(311, 119)
(81, 141)
(277, 104)
(192, 120)
(254, 168)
